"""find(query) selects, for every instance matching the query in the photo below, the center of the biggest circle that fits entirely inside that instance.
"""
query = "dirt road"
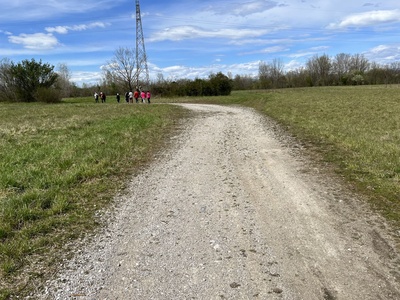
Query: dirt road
(232, 211)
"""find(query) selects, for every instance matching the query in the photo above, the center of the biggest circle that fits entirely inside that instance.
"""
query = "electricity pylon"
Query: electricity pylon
(142, 71)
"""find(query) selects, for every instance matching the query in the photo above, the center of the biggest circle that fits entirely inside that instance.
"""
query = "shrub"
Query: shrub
(48, 95)
(27, 77)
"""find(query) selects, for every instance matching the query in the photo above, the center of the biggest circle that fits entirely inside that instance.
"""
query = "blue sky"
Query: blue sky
(189, 39)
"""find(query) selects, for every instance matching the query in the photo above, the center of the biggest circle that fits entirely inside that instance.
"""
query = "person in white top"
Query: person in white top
(130, 97)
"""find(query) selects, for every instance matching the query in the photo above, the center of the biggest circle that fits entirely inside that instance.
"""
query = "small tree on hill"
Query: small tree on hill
(31, 79)
(220, 84)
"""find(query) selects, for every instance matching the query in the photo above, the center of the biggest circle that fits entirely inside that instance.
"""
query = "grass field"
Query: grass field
(60, 164)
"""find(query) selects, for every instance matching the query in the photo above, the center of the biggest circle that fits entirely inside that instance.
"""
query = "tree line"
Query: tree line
(323, 70)
(30, 81)
(319, 70)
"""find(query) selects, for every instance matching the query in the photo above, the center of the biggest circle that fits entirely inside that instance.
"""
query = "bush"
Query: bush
(27, 77)
(221, 85)
(48, 95)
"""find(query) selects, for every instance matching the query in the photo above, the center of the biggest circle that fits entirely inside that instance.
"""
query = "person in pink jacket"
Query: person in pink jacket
(143, 96)
(148, 95)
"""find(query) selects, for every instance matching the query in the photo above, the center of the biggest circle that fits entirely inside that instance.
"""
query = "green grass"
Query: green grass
(60, 164)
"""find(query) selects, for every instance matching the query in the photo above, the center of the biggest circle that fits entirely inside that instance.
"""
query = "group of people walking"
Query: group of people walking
(101, 96)
(144, 96)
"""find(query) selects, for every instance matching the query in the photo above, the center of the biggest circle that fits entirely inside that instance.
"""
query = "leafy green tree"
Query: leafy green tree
(358, 79)
(220, 84)
(31, 78)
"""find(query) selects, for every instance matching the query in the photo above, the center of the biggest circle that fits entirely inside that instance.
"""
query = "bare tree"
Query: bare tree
(276, 72)
(341, 67)
(63, 80)
(7, 91)
(319, 68)
(160, 79)
(244, 82)
(264, 71)
(359, 64)
(270, 74)
(122, 68)
(298, 77)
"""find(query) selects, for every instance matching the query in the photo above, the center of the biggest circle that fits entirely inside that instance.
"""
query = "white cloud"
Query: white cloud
(384, 53)
(180, 72)
(309, 52)
(248, 68)
(47, 41)
(293, 65)
(269, 50)
(5, 32)
(91, 78)
(57, 29)
(244, 9)
(179, 33)
(35, 41)
(370, 18)
(380, 49)
(82, 27)
(319, 48)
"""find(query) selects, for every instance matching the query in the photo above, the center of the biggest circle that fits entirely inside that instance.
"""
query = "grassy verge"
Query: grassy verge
(59, 165)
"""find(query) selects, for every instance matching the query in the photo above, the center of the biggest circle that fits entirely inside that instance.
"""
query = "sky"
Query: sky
(193, 39)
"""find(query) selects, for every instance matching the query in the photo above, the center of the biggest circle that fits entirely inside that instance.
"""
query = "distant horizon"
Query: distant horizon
(192, 39)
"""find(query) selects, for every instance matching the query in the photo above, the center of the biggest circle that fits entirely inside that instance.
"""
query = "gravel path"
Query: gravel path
(230, 211)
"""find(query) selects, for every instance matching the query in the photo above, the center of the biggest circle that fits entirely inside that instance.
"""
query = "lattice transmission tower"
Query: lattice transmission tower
(142, 70)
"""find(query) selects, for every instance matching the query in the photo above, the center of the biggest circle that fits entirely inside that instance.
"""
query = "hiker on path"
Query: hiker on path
(136, 95)
(143, 96)
(103, 97)
(148, 95)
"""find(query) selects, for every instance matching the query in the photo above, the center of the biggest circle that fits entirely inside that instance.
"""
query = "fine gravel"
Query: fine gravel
(233, 210)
